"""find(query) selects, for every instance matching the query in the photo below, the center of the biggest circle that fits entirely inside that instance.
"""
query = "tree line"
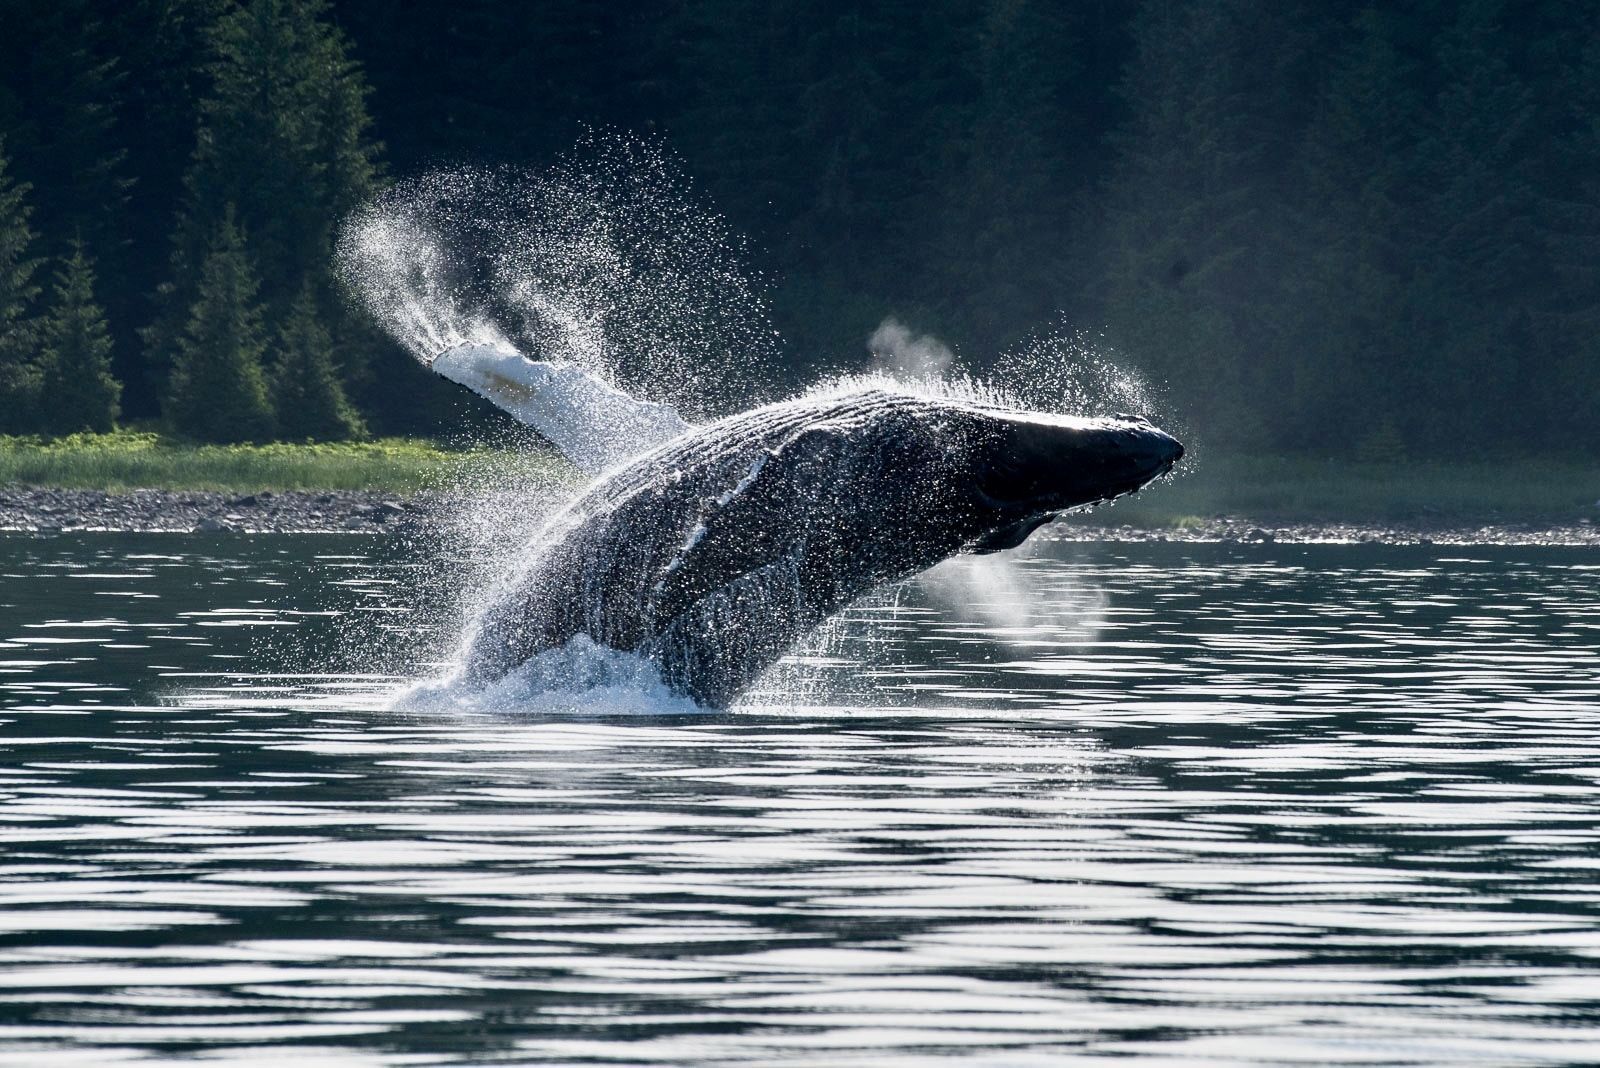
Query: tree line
(1367, 230)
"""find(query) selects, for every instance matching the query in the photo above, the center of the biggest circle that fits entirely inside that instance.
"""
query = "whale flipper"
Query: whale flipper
(592, 423)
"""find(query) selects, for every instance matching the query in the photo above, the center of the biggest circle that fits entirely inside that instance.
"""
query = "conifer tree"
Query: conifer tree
(80, 392)
(1360, 183)
(219, 390)
(310, 401)
(284, 140)
(1012, 206)
(19, 376)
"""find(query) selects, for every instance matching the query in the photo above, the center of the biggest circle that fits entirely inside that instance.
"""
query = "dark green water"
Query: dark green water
(1172, 804)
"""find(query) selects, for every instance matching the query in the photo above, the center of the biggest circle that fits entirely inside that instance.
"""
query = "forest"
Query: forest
(1364, 231)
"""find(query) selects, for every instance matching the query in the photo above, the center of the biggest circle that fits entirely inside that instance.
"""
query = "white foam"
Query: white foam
(580, 678)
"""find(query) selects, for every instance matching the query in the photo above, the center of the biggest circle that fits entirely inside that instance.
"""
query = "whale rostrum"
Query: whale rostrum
(713, 553)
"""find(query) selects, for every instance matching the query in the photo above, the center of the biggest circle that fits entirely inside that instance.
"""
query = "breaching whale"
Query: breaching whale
(714, 552)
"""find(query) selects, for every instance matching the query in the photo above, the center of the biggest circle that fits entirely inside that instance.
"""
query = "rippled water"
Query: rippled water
(1179, 804)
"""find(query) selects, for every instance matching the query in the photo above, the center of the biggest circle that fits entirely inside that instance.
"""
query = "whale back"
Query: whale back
(715, 552)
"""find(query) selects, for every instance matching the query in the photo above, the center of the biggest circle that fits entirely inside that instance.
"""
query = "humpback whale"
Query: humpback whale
(715, 551)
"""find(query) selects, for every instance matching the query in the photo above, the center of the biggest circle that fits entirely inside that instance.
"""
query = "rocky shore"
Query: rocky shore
(1231, 529)
(354, 512)
(187, 511)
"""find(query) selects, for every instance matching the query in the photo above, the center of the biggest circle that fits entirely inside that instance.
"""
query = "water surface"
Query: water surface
(1180, 804)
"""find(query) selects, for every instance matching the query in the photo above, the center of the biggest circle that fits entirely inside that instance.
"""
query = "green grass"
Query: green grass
(1259, 489)
(1291, 489)
(131, 460)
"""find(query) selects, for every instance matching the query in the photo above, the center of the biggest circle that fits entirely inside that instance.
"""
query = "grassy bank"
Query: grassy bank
(1262, 489)
(130, 460)
(1292, 489)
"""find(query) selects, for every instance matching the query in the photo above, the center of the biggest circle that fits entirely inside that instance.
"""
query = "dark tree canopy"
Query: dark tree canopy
(79, 391)
(1368, 229)
(19, 373)
(218, 387)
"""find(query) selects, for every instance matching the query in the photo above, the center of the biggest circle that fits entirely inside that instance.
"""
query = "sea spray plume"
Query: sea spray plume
(1000, 593)
(398, 265)
(1062, 369)
(394, 261)
(903, 354)
(604, 260)
(614, 240)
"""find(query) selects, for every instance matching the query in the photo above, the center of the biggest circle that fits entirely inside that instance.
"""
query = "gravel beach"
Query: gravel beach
(355, 512)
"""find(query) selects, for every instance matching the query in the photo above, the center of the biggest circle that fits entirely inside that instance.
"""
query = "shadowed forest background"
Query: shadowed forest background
(1346, 231)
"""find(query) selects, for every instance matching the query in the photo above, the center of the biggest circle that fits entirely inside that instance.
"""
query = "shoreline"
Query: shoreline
(57, 511)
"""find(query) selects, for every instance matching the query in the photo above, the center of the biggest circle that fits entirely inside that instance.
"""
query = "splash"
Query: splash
(903, 354)
(578, 678)
(395, 262)
(1000, 594)
(606, 261)
(1057, 369)
(1061, 369)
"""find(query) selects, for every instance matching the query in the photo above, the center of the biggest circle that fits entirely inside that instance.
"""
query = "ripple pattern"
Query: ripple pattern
(1177, 804)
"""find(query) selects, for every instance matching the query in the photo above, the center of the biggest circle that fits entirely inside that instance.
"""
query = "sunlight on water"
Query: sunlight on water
(1191, 804)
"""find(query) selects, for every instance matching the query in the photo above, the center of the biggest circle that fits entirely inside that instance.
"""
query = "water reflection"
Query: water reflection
(1196, 804)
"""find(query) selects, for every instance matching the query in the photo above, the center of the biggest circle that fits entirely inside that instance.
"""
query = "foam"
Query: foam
(580, 678)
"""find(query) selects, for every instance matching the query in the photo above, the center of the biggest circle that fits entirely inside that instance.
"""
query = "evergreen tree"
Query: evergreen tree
(310, 401)
(19, 375)
(283, 141)
(218, 389)
(80, 392)
(1197, 263)
(162, 50)
(58, 102)
(1361, 183)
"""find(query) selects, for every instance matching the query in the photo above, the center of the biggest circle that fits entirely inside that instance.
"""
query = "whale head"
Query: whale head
(1028, 467)
(981, 478)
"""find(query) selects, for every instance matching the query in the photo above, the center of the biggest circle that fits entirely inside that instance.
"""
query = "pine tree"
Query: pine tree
(219, 390)
(1201, 252)
(19, 376)
(163, 50)
(310, 401)
(284, 140)
(80, 392)
(1360, 180)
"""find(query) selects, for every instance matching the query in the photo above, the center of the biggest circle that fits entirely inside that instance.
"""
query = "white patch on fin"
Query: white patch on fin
(594, 424)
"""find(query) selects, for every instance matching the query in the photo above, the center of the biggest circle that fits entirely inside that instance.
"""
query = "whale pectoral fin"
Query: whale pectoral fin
(592, 423)
(1009, 537)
